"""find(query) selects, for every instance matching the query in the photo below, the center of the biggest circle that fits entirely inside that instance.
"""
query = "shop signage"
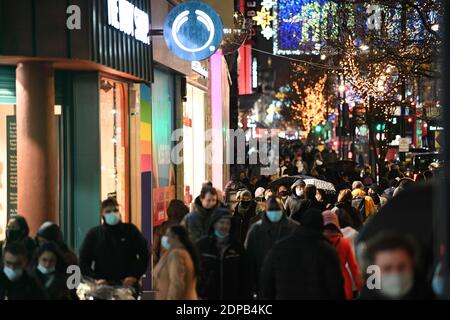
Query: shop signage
(11, 134)
(197, 67)
(404, 145)
(436, 128)
(193, 31)
(129, 19)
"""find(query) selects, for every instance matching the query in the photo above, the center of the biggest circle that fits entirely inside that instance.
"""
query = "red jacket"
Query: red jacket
(347, 258)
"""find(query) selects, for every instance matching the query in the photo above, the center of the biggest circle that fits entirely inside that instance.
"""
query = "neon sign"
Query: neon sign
(193, 31)
(129, 19)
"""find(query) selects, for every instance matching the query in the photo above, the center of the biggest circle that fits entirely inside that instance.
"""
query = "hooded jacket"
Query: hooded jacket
(305, 205)
(243, 219)
(293, 201)
(260, 239)
(224, 273)
(198, 221)
(303, 266)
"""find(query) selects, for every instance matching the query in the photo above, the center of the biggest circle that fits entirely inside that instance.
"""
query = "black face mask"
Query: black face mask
(245, 204)
(260, 199)
(284, 193)
(13, 235)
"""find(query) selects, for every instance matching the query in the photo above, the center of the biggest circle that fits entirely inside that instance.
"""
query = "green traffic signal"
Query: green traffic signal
(318, 129)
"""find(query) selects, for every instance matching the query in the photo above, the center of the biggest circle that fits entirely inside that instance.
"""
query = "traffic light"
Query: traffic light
(318, 128)
(380, 126)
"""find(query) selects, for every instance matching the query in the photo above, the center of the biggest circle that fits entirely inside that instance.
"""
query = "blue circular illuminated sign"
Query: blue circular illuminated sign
(193, 31)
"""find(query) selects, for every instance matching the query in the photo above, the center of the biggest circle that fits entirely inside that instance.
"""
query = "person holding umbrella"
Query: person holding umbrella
(309, 202)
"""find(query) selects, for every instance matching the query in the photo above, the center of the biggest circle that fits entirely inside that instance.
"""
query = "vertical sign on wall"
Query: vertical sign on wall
(11, 134)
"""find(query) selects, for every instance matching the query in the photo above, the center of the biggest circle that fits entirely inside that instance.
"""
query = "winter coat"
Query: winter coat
(198, 221)
(260, 239)
(224, 275)
(305, 205)
(293, 204)
(117, 252)
(224, 266)
(243, 217)
(303, 266)
(369, 207)
(174, 276)
(25, 288)
(55, 285)
(346, 258)
(348, 215)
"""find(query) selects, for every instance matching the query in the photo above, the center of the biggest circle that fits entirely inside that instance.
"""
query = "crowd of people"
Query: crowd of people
(256, 240)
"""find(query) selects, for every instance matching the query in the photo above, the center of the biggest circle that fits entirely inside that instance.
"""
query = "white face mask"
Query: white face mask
(396, 285)
(299, 192)
(112, 218)
(45, 270)
(12, 274)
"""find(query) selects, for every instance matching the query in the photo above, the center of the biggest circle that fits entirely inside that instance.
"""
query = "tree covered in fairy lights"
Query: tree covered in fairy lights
(371, 49)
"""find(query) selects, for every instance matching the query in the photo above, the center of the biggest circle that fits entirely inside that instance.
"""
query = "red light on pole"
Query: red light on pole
(410, 120)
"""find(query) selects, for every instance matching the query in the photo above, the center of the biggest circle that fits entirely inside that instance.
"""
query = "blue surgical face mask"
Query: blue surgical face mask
(165, 242)
(112, 218)
(274, 216)
(220, 235)
(438, 282)
(45, 270)
(12, 274)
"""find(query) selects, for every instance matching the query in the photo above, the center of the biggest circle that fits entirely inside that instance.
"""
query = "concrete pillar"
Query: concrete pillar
(36, 143)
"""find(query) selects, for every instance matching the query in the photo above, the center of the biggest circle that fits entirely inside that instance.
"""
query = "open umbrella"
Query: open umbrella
(286, 181)
(326, 186)
(410, 213)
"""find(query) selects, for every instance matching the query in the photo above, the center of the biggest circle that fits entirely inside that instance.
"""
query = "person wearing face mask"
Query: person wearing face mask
(175, 276)
(309, 202)
(297, 195)
(397, 258)
(49, 269)
(17, 230)
(15, 281)
(244, 212)
(197, 222)
(273, 226)
(223, 260)
(114, 252)
(283, 195)
(51, 232)
(303, 265)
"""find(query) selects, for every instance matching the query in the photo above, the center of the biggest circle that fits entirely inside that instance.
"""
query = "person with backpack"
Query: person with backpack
(348, 215)
(361, 202)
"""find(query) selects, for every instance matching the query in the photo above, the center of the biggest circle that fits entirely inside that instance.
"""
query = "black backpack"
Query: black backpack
(359, 203)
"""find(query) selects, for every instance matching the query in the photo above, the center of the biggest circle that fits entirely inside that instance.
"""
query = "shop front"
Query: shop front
(70, 113)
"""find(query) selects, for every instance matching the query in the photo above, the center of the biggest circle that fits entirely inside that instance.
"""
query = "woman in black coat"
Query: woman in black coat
(224, 265)
(348, 215)
(48, 268)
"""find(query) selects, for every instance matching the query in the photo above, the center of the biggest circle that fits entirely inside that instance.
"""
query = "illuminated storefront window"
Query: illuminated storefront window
(113, 141)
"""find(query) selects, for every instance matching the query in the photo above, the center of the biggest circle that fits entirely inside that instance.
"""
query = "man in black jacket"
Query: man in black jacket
(15, 282)
(297, 195)
(244, 212)
(114, 252)
(224, 265)
(273, 226)
(303, 266)
(308, 203)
